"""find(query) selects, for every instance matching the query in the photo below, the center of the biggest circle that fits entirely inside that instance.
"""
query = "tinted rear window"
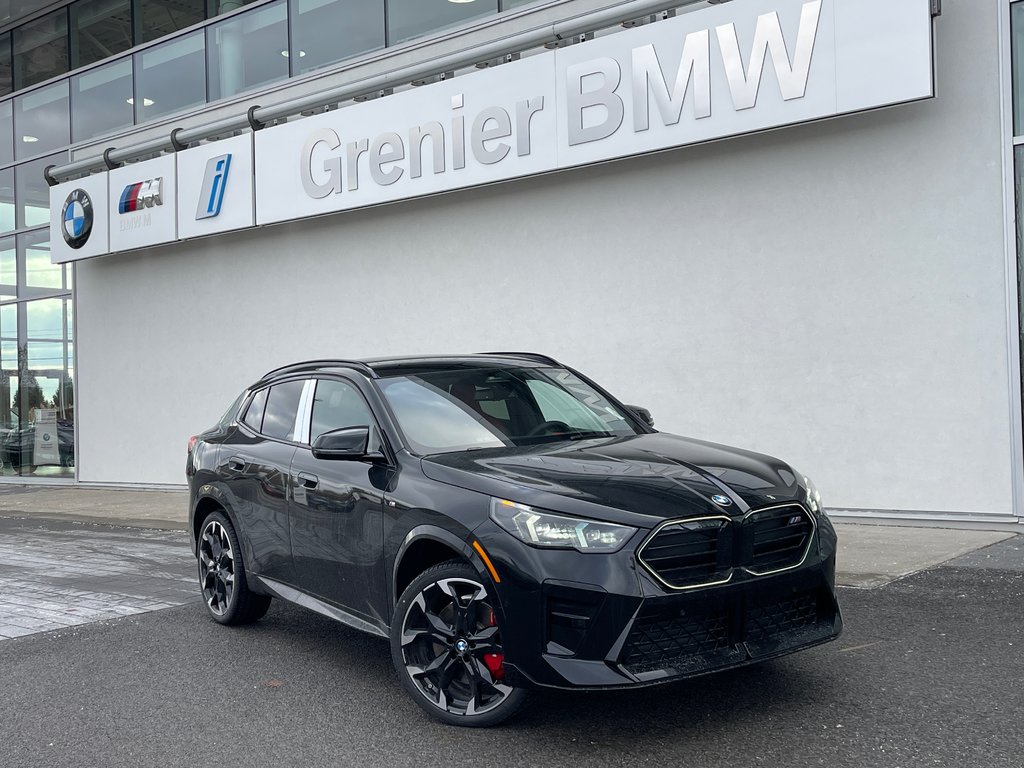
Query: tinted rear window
(254, 413)
(282, 405)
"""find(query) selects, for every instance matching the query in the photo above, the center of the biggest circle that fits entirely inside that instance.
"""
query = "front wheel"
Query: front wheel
(446, 646)
(222, 577)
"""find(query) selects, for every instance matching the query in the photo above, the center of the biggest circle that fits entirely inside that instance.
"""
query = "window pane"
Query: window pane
(282, 406)
(245, 51)
(32, 192)
(411, 18)
(325, 31)
(8, 279)
(44, 319)
(41, 120)
(7, 200)
(9, 323)
(34, 249)
(507, 5)
(217, 7)
(337, 405)
(45, 355)
(8, 360)
(41, 49)
(6, 73)
(254, 413)
(162, 17)
(100, 29)
(101, 100)
(170, 77)
(1017, 51)
(6, 132)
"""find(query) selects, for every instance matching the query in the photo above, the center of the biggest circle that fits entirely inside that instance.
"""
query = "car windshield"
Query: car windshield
(470, 408)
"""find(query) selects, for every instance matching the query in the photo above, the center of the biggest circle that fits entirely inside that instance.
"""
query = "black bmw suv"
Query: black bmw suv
(507, 524)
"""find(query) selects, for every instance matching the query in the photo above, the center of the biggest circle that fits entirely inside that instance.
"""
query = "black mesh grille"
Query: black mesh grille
(672, 639)
(687, 553)
(666, 640)
(785, 619)
(779, 538)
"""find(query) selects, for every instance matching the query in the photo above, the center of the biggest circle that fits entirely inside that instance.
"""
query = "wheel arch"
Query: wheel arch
(425, 546)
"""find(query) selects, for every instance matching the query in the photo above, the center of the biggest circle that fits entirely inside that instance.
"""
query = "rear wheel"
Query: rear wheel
(222, 576)
(446, 646)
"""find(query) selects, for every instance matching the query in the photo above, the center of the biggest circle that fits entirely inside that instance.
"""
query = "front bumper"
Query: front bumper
(574, 620)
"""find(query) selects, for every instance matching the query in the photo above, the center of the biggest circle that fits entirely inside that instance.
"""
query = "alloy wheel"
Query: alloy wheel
(451, 646)
(216, 567)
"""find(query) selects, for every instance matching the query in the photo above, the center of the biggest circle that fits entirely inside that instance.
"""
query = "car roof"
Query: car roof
(377, 367)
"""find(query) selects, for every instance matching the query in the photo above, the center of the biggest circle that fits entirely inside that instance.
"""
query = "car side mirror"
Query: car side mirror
(643, 414)
(348, 443)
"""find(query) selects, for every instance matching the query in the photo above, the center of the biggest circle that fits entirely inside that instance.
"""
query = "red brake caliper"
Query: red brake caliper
(495, 661)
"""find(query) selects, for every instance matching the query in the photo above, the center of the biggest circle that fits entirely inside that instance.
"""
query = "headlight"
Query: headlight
(813, 497)
(543, 529)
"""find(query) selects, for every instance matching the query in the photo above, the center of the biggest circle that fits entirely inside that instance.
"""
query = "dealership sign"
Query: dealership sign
(722, 71)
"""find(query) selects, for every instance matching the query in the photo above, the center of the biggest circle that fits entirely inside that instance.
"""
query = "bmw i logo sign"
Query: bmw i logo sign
(76, 218)
(722, 501)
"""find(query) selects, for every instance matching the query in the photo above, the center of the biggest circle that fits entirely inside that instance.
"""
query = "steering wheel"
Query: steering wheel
(546, 427)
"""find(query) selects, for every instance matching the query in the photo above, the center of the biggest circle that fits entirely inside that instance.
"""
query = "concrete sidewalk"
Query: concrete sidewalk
(869, 555)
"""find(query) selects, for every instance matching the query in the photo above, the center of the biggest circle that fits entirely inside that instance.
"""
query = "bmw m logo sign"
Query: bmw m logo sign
(141, 194)
(722, 501)
(76, 218)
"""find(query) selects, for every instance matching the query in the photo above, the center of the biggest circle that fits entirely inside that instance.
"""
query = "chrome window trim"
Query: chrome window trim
(650, 569)
(810, 538)
(300, 432)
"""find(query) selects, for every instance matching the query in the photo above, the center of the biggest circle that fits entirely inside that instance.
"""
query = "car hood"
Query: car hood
(655, 476)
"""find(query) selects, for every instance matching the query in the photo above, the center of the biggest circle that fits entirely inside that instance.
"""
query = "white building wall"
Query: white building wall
(833, 294)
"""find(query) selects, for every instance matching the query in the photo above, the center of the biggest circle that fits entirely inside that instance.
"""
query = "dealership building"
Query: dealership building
(785, 225)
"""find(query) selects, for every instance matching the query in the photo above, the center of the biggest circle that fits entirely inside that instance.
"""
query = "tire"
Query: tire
(222, 579)
(446, 647)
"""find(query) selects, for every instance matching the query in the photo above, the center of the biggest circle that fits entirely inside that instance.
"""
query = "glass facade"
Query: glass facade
(170, 77)
(247, 50)
(327, 31)
(411, 18)
(101, 100)
(36, 333)
(99, 29)
(41, 49)
(1017, 58)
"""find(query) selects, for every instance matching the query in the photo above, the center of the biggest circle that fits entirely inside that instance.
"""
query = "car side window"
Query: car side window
(336, 405)
(282, 406)
(254, 413)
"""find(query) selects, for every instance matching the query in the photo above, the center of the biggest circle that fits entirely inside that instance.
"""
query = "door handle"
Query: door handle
(236, 464)
(307, 480)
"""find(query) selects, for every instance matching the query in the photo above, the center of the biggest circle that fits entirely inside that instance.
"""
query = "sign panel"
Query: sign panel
(726, 70)
(215, 189)
(78, 219)
(142, 208)
(45, 447)
(457, 133)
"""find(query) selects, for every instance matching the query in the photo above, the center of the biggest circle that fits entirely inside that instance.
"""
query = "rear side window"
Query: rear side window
(282, 406)
(254, 413)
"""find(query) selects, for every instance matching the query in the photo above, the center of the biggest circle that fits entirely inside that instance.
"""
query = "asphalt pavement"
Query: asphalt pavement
(928, 672)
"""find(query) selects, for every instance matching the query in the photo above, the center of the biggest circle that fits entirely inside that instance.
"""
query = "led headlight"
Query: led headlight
(543, 529)
(813, 497)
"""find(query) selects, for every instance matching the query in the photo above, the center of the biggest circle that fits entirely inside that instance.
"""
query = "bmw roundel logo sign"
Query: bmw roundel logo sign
(76, 218)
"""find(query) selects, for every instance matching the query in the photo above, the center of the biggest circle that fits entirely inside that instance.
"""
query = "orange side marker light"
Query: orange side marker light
(487, 561)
